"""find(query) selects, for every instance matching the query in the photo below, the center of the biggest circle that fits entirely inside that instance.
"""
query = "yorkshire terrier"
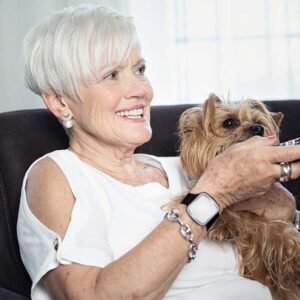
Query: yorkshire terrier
(268, 249)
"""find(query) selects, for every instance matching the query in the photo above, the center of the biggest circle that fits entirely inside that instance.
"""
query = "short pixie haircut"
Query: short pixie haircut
(72, 46)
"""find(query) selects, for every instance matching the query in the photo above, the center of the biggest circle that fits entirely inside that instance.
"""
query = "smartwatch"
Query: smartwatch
(202, 208)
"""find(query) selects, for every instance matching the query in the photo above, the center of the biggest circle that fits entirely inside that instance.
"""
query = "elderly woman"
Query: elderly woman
(90, 224)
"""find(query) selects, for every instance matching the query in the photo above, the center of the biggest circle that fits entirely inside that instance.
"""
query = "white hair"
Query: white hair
(72, 46)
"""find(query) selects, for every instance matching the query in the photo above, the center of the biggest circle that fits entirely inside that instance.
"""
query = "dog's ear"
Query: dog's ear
(209, 110)
(278, 117)
(212, 100)
(190, 120)
(191, 137)
(259, 105)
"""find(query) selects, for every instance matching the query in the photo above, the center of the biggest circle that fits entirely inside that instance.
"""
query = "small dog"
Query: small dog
(269, 250)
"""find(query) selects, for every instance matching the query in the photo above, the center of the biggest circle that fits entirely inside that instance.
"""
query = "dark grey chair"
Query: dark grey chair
(28, 134)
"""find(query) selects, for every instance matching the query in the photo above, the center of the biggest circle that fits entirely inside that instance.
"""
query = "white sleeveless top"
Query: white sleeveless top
(109, 218)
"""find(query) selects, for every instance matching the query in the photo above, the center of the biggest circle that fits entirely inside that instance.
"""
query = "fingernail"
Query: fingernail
(271, 137)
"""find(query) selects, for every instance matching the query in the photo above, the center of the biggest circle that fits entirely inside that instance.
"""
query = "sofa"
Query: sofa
(28, 134)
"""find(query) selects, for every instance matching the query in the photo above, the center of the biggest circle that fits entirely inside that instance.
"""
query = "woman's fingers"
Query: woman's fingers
(277, 171)
(281, 153)
(286, 154)
(277, 154)
(295, 170)
(261, 141)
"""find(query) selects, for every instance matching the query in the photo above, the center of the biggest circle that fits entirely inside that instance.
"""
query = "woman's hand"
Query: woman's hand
(276, 204)
(247, 169)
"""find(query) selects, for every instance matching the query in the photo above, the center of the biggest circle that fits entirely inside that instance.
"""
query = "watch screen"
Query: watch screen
(203, 209)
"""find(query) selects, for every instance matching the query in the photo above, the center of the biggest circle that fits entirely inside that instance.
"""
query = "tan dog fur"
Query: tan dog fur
(269, 250)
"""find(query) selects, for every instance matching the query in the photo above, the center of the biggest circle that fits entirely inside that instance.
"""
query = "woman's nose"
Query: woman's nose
(135, 88)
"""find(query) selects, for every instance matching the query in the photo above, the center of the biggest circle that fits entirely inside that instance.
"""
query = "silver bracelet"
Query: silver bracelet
(185, 230)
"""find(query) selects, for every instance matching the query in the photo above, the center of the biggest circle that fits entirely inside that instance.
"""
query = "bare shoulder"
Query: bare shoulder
(49, 195)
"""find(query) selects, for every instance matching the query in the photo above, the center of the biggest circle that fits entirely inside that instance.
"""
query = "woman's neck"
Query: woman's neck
(114, 161)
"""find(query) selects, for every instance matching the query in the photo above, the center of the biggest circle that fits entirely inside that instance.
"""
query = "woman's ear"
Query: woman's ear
(56, 104)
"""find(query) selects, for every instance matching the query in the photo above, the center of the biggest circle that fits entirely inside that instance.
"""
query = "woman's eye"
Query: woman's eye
(141, 70)
(112, 76)
(230, 123)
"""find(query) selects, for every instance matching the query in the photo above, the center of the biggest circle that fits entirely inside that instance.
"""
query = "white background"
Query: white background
(245, 48)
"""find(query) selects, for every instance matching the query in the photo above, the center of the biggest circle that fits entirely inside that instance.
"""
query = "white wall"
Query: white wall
(179, 72)
(16, 18)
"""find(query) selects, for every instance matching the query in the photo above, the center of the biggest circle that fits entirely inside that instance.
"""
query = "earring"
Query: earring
(67, 119)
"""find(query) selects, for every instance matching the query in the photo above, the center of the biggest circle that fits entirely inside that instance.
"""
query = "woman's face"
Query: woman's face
(116, 110)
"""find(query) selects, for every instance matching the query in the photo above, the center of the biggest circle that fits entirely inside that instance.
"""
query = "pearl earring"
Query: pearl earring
(67, 120)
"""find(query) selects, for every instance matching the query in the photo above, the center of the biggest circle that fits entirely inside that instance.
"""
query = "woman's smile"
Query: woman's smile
(133, 114)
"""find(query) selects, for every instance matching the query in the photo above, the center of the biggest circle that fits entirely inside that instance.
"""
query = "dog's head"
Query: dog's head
(206, 132)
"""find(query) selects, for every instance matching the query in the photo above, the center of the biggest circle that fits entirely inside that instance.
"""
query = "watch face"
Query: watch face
(203, 209)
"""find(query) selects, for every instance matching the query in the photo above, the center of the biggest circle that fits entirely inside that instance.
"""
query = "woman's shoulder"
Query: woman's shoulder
(46, 163)
(49, 195)
(50, 170)
(43, 171)
(44, 176)
(43, 166)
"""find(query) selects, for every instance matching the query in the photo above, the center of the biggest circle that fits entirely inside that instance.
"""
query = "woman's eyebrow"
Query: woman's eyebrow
(140, 61)
(113, 66)
(109, 68)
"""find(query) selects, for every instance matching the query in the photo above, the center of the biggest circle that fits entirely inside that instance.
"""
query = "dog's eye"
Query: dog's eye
(230, 123)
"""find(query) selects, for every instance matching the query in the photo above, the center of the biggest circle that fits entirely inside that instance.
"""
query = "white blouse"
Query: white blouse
(109, 218)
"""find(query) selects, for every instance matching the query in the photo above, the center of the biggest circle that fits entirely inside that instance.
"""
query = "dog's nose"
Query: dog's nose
(257, 129)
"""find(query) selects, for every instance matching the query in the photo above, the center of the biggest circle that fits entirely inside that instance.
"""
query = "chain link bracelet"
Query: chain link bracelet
(185, 230)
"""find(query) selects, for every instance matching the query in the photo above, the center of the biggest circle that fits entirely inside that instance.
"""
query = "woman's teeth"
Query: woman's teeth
(132, 114)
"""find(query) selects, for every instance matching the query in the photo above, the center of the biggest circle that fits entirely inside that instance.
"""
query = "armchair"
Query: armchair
(28, 134)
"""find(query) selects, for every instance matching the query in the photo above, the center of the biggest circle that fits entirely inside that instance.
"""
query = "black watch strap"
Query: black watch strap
(212, 221)
(189, 198)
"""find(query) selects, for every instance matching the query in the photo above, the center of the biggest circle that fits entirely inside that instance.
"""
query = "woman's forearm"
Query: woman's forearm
(282, 204)
(160, 292)
(276, 204)
(148, 270)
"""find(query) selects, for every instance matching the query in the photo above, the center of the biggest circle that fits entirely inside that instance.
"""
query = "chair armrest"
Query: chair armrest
(9, 295)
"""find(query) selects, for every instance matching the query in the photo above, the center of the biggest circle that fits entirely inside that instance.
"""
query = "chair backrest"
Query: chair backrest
(24, 136)
(28, 134)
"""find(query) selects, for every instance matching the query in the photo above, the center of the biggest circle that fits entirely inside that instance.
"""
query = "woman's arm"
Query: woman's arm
(276, 204)
(145, 272)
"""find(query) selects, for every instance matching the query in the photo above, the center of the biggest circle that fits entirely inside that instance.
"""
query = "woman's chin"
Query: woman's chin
(139, 138)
